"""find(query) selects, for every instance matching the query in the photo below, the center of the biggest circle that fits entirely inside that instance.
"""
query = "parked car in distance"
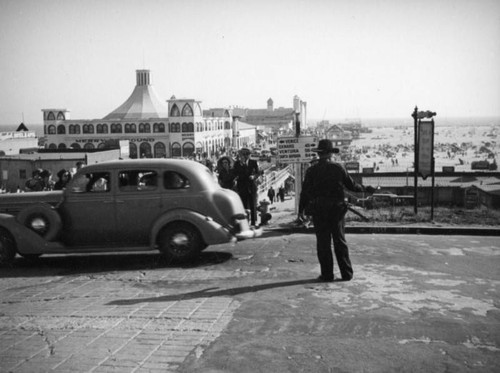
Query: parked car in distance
(175, 206)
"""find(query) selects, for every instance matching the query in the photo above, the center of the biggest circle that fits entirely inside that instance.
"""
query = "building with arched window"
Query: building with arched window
(153, 128)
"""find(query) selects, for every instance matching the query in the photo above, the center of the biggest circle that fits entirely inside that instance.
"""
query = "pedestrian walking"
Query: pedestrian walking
(271, 194)
(246, 172)
(225, 174)
(281, 193)
(323, 193)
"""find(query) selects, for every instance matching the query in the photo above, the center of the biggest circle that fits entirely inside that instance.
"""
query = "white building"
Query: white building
(153, 128)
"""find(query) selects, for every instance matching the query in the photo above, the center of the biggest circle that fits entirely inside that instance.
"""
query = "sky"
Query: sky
(345, 58)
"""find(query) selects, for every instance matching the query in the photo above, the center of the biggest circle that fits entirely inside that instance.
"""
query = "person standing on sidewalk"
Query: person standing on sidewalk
(323, 193)
(246, 171)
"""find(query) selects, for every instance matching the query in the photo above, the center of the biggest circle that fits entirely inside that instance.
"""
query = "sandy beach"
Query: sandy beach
(391, 149)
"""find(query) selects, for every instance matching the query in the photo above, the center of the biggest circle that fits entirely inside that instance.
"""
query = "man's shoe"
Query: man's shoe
(347, 278)
(322, 278)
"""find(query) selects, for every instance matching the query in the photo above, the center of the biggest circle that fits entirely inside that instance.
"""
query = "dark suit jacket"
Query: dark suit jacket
(242, 172)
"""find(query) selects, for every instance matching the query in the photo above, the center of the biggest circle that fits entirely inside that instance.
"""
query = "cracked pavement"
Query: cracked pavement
(417, 303)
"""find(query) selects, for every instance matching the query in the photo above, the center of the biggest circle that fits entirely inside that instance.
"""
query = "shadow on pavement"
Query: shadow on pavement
(67, 265)
(211, 292)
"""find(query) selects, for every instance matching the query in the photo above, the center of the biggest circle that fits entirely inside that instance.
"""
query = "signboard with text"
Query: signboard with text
(425, 148)
(296, 149)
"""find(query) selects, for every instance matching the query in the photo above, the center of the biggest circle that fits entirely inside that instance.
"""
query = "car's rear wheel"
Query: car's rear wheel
(42, 219)
(180, 242)
(7, 247)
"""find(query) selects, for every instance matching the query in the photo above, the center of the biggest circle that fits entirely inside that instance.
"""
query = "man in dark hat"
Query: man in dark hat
(323, 193)
(246, 171)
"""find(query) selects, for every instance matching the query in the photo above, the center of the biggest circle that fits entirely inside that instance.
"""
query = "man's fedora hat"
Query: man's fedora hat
(325, 146)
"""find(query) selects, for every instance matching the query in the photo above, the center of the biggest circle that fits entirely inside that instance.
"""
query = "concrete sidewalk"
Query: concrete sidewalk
(284, 219)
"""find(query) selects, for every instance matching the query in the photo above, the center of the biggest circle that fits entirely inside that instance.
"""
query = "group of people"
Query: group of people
(276, 196)
(41, 179)
(241, 175)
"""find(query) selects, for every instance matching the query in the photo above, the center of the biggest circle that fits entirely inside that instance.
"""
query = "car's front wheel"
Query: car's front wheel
(7, 247)
(180, 242)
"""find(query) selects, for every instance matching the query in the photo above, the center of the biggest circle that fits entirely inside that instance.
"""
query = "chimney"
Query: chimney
(142, 77)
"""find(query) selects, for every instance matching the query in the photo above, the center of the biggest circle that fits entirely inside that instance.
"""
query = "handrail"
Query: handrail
(273, 178)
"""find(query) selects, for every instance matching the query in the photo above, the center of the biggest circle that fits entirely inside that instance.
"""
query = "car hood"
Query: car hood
(12, 203)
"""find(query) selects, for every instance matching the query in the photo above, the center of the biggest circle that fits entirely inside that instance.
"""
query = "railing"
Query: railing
(273, 178)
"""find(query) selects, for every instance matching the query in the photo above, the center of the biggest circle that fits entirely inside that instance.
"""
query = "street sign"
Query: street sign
(296, 149)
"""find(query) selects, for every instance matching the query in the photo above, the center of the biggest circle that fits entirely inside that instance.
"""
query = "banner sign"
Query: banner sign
(296, 149)
(425, 148)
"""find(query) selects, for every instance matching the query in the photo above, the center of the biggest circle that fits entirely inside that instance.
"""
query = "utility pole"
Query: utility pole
(415, 160)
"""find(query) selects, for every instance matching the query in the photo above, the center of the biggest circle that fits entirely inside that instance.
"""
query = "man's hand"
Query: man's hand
(369, 189)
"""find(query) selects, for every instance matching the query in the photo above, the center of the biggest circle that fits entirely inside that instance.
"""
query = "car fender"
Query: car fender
(27, 241)
(212, 232)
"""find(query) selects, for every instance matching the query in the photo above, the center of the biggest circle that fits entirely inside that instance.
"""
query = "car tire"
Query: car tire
(180, 242)
(42, 219)
(7, 247)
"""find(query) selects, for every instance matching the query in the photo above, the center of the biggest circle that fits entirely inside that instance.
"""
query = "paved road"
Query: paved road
(417, 304)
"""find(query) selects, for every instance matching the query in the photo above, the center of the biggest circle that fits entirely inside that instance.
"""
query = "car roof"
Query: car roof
(187, 166)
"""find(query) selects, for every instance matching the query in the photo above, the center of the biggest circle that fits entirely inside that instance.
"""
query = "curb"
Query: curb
(462, 231)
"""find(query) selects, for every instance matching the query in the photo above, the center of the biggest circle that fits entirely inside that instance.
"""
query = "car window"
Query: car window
(97, 182)
(174, 180)
(133, 180)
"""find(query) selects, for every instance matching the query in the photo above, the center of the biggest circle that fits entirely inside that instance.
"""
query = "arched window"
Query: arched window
(86, 128)
(51, 116)
(75, 146)
(101, 145)
(62, 146)
(60, 116)
(61, 130)
(160, 150)
(227, 125)
(130, 128)
(104, 128)
(74, 129)
(52, 146)
(190, 127)
(174, 112)
(116, 128)
(144, 128)
(89, 146)
(184, 127)
(187, 111)
(52, 130)
(197, 110)
(132, 150)
(145, 150)
(90, 128)
(159, 127)
(176, 149)
(188, 149)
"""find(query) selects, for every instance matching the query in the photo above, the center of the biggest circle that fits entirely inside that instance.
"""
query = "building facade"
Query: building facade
(177, 129)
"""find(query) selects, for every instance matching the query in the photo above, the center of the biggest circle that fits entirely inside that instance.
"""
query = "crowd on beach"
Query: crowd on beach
(392, 149)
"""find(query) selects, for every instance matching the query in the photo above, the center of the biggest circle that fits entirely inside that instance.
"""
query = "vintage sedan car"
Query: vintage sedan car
(175, 206)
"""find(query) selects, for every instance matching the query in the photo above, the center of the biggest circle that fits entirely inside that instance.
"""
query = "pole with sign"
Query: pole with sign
(424, 152)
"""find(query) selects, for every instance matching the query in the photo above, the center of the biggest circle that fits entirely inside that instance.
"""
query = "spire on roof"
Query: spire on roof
(143, 103)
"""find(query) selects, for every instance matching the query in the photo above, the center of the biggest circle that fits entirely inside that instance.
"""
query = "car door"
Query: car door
(138, 205)
(88, 210)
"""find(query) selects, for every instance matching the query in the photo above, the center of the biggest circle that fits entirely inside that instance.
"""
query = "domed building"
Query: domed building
(152, 127)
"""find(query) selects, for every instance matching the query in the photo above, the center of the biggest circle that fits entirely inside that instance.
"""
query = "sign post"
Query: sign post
(296, 150)
(424, 152)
